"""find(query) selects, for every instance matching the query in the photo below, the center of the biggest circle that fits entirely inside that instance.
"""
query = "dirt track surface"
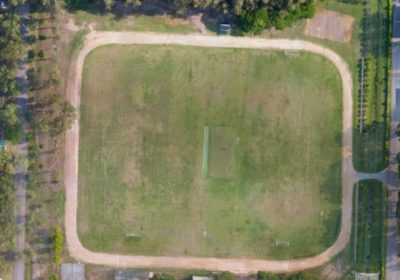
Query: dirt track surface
(236, 265)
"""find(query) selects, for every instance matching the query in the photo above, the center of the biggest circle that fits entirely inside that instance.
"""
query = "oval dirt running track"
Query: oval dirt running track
(236, 265)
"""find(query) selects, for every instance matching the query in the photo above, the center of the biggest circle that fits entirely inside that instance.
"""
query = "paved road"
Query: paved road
(22, 151)
(392, 259)
(243, 265)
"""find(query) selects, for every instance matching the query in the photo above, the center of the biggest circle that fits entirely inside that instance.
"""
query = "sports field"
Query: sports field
(267, 182)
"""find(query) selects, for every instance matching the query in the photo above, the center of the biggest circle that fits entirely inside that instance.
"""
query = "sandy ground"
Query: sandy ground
(198, 22)
(330, 25)
(236, 265)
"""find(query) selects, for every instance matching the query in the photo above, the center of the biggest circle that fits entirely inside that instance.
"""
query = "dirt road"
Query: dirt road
(239, 265)
(18, 272)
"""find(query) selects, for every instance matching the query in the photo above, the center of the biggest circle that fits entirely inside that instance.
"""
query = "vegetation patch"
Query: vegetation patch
(372, 134)
(369, 227)
(141, 188)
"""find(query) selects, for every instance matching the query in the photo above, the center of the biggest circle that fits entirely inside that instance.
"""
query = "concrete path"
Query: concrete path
(22, 154)
(243, 265)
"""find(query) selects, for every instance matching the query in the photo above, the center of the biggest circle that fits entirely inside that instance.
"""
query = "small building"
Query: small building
(225, 28)
(72, 271)
(129, 274)
(202, 278)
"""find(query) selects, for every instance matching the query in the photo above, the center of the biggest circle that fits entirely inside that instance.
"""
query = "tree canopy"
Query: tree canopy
(253, 16)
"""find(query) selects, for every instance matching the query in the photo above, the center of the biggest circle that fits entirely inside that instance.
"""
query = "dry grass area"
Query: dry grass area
(330, 25)
(143, 112)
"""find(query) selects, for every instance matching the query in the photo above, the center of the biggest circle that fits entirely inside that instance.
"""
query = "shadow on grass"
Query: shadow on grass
(331, 189)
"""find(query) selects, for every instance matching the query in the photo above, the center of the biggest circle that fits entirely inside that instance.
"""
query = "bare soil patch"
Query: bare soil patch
(330, 25)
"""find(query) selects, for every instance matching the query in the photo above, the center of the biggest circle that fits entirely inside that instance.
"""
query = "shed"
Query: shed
(202, 278)
(225, 28)
(72, 271)
(129, 274)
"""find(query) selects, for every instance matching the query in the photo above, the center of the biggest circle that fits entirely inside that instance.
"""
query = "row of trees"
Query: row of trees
(7, 229)
(49, 111)
(10, 52)
(253, 16)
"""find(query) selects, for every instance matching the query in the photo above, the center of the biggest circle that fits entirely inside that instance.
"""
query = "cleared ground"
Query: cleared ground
(330, 25)
(143, 114)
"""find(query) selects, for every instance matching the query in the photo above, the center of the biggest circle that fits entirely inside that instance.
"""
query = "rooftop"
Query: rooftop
(72, 271)
(125, 274)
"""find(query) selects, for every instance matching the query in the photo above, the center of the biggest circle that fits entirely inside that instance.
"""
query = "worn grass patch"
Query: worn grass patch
(275, 122)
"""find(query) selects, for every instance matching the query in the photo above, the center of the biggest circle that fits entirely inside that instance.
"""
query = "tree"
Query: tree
(41, 54)
(9, 122)
(108, 4)
(308, 10)
(31, 54)
(262, 275)
(255, 22)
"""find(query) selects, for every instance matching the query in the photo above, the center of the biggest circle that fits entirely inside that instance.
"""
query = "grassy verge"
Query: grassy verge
(44, 190)
(141, 188)
(369, 252)
(109, 22)
(77, 40)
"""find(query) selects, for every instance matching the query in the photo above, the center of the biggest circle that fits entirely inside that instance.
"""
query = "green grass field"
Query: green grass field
(369, 254)
(274, 156)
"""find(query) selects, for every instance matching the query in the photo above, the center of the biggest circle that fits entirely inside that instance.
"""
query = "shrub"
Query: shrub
(58, 241)
(302, 276)
(262, 275)
(163, 276)
(226, 275)
(41, 54)
(54, 277)
(57, 259)
(31, 54)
